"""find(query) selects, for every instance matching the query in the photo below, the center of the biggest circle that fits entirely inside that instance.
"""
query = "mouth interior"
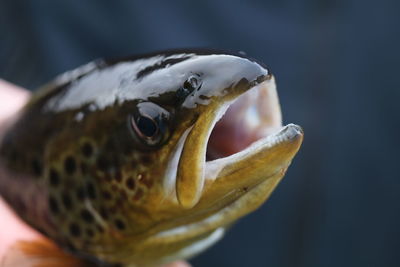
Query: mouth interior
(252, 116)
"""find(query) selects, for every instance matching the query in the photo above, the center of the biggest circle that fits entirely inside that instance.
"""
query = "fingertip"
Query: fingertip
(12, 99)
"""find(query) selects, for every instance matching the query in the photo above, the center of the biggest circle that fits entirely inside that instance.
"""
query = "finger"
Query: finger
(178, 264)
(12, 229)
(12, 99)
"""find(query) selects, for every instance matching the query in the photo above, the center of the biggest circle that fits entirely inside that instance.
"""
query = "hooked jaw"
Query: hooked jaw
(236, 148)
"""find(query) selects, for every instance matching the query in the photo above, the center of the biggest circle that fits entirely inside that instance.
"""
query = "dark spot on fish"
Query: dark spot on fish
(106, 195)
(119, 224)
(66, 200)
(138, 195)
(69, 165)
(91, 190)
(80, 194)
(87, 150)
(53, 205)
(37, 167)
(74, 230)
(86, 216)
(130, 183)
(54, 177)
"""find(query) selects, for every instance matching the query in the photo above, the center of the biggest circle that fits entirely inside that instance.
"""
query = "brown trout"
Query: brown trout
(148, 159)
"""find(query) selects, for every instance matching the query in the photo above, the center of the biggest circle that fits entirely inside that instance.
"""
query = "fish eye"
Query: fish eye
(149, 123)
(145, 126)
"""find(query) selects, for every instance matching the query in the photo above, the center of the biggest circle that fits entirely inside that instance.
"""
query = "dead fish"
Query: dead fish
(147, 159)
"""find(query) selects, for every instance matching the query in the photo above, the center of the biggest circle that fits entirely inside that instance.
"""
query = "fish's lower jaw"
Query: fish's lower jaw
(186, 241)
(264, 157)
(163, 249)
(196, 247)
(231, 195)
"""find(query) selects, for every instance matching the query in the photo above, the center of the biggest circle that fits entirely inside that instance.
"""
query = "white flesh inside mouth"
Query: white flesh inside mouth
(252, 121)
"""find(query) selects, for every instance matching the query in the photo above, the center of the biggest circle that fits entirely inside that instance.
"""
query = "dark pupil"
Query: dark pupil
(147, 126)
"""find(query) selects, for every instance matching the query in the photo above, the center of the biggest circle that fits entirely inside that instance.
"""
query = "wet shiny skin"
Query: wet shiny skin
(107, 184)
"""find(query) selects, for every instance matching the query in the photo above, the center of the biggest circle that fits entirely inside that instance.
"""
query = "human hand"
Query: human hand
(12, 229)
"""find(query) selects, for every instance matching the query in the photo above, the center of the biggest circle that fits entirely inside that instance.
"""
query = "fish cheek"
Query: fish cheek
(68, 168)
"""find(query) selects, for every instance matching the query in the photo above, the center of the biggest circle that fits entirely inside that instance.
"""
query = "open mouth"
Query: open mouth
(252, 116)
(241, 146)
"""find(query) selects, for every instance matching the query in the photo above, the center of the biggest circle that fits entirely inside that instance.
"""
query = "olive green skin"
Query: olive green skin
(72, 167)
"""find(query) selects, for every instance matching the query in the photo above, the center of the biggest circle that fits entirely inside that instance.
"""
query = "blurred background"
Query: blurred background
(337, 66)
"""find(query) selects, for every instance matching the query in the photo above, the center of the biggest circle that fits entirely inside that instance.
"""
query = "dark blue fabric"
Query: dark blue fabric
(337, 69)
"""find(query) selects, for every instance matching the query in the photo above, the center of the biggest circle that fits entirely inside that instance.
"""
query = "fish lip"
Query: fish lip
(289, 133)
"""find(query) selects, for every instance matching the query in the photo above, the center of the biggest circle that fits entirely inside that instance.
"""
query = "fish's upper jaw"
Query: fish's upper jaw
(242, 132)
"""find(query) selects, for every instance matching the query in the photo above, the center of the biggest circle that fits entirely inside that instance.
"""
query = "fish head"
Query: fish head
(204, 126)
(163, 151)
(213, 122)
(177, 103)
